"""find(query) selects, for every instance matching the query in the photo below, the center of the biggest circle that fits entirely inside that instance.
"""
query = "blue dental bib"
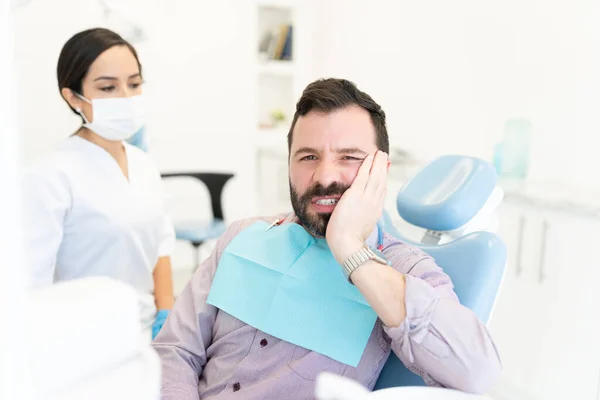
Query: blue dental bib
(285, 282)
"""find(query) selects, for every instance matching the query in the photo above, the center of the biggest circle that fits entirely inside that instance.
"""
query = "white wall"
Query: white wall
(450, 73)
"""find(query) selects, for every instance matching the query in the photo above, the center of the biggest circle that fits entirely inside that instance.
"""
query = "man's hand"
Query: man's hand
(359, 209)
(351, 223)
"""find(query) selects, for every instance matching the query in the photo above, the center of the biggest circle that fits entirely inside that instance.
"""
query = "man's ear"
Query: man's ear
(389, 165)
(71, 98)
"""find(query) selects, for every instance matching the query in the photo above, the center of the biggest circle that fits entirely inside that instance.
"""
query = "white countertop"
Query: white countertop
(584, 201)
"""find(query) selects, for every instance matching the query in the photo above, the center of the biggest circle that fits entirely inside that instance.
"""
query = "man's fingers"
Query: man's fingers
(378, 176)
(362, 177)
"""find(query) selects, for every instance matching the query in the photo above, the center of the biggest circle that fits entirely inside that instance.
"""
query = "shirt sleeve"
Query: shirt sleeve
(46, 201)
(167, 242)
(187, 333)
(440, 340)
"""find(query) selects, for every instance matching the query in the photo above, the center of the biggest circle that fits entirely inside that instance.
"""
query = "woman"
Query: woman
(95, 205)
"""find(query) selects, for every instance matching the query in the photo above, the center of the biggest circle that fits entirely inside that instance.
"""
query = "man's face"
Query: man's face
(326, 152)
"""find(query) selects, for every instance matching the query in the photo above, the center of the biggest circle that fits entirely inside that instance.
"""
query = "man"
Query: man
(338, 163)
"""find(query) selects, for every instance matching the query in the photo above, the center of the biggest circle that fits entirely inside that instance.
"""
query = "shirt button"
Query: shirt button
(263, 343)
(236, 386)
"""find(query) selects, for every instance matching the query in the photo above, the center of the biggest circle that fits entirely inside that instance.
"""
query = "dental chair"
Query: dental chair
(453, 199)
(196, 232)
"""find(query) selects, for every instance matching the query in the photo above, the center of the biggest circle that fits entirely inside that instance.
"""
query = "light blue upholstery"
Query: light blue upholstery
(199, 231)
(139, 140)
(474, 262)
(447, 193)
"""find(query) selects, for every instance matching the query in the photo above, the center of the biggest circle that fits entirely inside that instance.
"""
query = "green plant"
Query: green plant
(277, 116)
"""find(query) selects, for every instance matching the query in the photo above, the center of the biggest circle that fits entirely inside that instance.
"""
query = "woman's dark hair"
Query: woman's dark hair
(78, 54)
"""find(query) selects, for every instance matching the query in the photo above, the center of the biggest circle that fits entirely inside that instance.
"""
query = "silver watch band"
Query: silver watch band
(357, 259)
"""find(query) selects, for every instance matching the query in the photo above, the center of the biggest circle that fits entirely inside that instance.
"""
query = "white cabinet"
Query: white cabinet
(569, 365)
(547, 321)
(511, 323)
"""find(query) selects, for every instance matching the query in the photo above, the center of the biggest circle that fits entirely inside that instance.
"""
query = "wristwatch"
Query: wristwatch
(360, 257)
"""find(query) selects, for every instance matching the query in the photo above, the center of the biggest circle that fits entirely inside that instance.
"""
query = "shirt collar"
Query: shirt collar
(372, 240)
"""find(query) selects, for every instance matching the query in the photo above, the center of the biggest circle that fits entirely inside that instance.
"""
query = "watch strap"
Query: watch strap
(357, 259)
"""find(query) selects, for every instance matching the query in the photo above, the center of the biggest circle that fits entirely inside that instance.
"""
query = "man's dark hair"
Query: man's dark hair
(328, 95)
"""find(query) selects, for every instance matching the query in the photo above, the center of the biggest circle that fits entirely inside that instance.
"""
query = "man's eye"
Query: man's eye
(350, 158)
(308, 158)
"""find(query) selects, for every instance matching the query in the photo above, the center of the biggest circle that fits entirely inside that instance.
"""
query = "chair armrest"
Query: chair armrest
(214, 181)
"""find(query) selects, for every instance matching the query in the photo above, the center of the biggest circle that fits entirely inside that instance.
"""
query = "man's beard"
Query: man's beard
(315, 224)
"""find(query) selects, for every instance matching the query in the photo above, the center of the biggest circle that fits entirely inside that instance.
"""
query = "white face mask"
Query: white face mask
(116, 118)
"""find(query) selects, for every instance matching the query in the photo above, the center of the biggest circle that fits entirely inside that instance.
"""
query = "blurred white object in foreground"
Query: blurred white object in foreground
(334, 387)
(86, 343)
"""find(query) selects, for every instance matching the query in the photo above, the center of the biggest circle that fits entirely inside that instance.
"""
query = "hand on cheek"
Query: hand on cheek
(361, 206)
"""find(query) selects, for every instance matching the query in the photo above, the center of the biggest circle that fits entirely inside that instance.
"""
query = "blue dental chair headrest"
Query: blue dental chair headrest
(447, 193)
(451, 193)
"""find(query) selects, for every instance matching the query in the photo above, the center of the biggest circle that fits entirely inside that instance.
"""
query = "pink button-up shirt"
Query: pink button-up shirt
(208, 354)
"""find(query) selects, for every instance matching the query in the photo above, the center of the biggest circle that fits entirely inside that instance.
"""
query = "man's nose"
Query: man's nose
(327, 173)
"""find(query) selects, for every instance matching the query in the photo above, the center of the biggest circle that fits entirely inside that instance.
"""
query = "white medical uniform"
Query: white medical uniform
(84, 218)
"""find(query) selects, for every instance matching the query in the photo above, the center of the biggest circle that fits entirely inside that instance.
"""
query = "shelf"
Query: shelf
(273, 139)
(276, 3)
(277, 68)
